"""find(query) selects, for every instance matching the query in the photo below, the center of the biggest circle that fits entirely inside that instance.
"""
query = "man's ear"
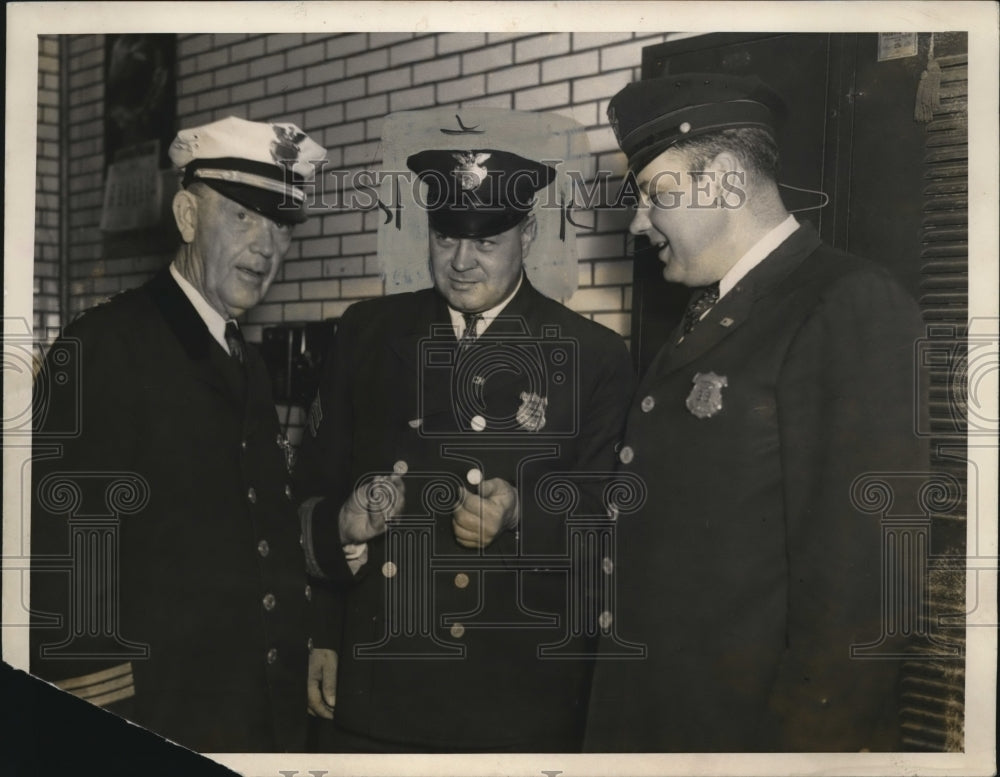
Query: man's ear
(529, 231)
(185, 207)
(726, 167)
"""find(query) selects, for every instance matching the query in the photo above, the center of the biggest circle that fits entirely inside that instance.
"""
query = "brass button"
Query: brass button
(457, 630)
(309, 643)
(269, 602)
(604, 620)
(647, 404)
(288, 491)
(252, 495)
(263, 548)
(389, 569)
(607, 566)
(626, 454)
(461, 580)
(272, 655)
(309, 593)
(477, 423)
(243, 445)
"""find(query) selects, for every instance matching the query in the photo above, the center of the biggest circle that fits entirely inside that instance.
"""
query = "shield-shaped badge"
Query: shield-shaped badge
(531, 413)
(705, 399)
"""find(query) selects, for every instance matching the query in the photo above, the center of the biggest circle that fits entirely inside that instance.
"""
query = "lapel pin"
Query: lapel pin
(727, 321)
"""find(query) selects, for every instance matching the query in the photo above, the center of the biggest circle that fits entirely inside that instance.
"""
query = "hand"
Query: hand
(478, 518)
(364, 514)
(321, 689)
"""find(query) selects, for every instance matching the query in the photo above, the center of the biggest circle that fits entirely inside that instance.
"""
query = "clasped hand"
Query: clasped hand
(479, 518)
(365, 512)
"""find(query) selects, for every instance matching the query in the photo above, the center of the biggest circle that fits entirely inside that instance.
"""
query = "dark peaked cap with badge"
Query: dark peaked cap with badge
(480, 192)
(260, 165)
(650, 116)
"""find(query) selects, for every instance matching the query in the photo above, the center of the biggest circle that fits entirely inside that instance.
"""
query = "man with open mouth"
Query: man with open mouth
(752, 575)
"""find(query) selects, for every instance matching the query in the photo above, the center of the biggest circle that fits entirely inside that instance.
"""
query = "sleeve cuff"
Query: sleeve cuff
(325, 557)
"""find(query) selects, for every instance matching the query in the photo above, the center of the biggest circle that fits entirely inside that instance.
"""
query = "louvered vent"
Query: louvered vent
(934, 689)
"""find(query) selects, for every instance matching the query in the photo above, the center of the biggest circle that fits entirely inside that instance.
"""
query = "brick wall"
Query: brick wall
(46, 285)
(339, 88)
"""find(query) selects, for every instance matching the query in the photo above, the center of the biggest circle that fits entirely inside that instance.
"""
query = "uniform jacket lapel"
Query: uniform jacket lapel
(428, 324)
(736, 307)
(207, 360)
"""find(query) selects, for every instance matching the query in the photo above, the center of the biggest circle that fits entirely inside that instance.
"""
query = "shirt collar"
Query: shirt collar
(458, 321)
(757, 253)
(213, 320)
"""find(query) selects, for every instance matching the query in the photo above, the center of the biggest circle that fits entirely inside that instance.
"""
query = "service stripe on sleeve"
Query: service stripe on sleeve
(104, 687)
(96, 677)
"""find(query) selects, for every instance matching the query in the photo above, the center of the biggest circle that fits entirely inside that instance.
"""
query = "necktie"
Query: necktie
(469, 335)
(234, 339)
(699, 305)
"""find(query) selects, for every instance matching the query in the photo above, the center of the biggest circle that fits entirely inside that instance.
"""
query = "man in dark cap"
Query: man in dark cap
(751, 573)
(175, 592)
(451, 427)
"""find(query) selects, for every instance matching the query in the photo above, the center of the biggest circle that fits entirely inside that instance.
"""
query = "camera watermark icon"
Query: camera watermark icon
(55, 406)
(964, 368)
(502, 384)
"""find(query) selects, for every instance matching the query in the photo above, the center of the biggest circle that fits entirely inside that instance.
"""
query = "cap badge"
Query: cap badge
(705, 399)
(286, 147)
(469, 170)
(531, 414)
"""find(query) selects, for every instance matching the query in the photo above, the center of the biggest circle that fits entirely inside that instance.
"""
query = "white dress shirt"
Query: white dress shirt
(213, 319)
(757, 253)
(458, 319)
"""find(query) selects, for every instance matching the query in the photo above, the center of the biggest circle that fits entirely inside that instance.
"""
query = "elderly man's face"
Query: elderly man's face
(476, 275)
(235, 252)
(681, 220)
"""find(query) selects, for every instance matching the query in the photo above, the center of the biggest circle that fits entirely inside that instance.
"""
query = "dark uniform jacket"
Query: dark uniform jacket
(177, 582)
(750, 572)
(441, 646)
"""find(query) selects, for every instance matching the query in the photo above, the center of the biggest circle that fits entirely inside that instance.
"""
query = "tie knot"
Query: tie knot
(470, 334)
(471, 322)
(234, 339)
(699, 305)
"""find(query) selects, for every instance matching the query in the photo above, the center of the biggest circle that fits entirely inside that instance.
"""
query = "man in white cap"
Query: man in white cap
(169, 587)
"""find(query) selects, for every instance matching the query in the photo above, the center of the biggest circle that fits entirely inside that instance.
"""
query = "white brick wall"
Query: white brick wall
(338, 88)
(46, 282)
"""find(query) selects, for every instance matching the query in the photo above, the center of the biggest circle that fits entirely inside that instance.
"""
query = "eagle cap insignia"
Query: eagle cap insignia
(469, 170)
(705, 399)
(285, 146)
(531, 414)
